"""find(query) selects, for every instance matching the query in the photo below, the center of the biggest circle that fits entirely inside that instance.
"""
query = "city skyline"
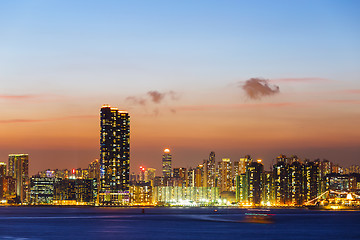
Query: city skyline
(191, 75)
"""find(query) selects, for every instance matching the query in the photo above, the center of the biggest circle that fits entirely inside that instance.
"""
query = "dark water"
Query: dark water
(173, 223)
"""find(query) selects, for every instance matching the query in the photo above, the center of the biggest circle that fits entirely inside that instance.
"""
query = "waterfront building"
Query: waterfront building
(268, 189)
(243, 162)
(19, 170)
(150, 174)
(311, 180)
(2, 169)
(337, 169)
(141, 193)
(209, 171)
(340, 182)
(2, 179)
(94, 169)
(191, 177)
(254, 179)
(185, 195)
(281, 181)
(296, 187)
(199, 172)
(114, 156)
(241, 188)
(42, 189)
(180, 177)
(75, 192)
(158, 181)
(8, 186)
(166, 164)
(225, 175)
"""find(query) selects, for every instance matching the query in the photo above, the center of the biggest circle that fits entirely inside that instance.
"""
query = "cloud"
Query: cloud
(300, 80)
(256, 88)
(174, 95)
(156, 96)
(16, 97)
(217, 107)
(22, 120)
(136, 100)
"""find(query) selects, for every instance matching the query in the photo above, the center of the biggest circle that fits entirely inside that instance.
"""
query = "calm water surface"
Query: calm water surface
(173, 223)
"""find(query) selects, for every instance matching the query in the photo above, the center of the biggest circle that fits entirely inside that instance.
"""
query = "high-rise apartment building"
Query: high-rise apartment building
(114, 155)
(2, 180)
(254, 177)
(94, 169)
(2, 169)
(281, 178)
(209, 176)
(166, 163)
(241, 168)
(225, 175)
(19, 170)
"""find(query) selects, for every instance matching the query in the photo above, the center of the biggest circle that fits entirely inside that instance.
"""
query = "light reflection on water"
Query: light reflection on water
(173, 223)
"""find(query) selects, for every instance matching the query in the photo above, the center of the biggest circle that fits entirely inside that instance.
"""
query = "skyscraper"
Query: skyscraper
(114, 155)
(209, 171)
(225, 174)
(254, 177)
(2, 169)
(19, 170)
(2, 179)
(166, 163)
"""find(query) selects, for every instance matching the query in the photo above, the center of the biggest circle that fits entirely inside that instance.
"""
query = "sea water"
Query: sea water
(174, 223)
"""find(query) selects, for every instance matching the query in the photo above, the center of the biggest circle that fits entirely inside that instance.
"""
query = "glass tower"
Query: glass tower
(166, 163)
(19, 170)
(114, 155)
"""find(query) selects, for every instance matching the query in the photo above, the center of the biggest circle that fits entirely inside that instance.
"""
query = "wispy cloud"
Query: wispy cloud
(151, 100)
(217, 107)
(17, 97)
(24, 120)
(153, 97)
(156, 96)
(256, 88)
(136, 100)
(300, 80)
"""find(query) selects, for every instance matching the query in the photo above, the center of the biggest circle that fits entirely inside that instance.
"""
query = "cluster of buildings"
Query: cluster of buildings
(290, 182)
(107, 181)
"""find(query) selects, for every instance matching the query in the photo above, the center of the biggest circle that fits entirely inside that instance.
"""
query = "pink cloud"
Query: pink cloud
(300, 80)
(236, 106)
(46, 119)
(17, 97)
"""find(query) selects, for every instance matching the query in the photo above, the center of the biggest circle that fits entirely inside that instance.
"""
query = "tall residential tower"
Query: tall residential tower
(166, 164)
(19, 170)
(114, 155)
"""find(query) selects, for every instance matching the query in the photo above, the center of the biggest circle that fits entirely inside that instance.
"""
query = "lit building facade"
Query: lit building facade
(281, 181)
(254, 178)
(19, 170)
(209, 176)
(166, 164)
(42, 189)
(311, 180)
(225, 175)
(114, 156)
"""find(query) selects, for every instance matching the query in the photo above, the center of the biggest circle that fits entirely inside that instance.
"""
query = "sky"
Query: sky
(236, 77)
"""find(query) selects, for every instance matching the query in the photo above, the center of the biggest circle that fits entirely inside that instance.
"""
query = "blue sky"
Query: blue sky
(70, 57)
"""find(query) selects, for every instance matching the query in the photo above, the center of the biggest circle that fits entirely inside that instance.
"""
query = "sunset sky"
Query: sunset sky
(181, 69)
